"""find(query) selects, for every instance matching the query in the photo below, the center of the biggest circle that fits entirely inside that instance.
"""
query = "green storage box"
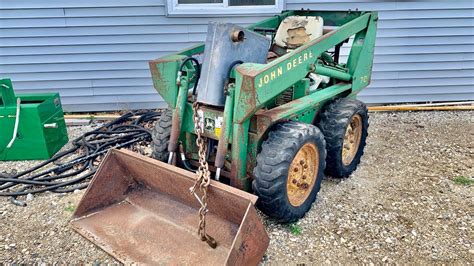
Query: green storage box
(41, 129)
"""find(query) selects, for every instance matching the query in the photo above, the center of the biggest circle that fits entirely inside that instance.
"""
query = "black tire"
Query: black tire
(161, 136)
(273, 162)
(334, 120)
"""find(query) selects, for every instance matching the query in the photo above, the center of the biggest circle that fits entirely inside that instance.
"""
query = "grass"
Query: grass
(462, 180)
(70, 208)
(295, 229)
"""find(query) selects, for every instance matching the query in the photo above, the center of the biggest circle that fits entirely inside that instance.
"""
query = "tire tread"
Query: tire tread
(271, 171)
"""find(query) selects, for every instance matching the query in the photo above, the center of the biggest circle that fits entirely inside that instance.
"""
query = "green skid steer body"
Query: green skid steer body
(253, 106)
(268, 109)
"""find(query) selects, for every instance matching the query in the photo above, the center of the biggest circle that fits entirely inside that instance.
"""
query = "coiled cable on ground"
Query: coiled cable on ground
(73, 168)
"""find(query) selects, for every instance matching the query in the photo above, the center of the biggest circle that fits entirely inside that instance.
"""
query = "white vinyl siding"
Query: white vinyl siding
(96, 53)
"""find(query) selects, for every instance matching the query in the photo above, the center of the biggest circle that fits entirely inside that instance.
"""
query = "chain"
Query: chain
(202, 181)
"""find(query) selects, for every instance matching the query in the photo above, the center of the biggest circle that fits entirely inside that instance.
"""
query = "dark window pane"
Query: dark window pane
(200, 1)
(251, 2)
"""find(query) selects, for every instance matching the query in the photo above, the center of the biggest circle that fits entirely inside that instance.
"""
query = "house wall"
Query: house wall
(95, 53)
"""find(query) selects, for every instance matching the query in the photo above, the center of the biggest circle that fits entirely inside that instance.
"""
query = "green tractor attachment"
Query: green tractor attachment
(32, 126)
(268, 110)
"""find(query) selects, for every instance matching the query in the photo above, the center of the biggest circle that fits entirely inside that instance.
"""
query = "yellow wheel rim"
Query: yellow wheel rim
(302, 174)
(352, 138)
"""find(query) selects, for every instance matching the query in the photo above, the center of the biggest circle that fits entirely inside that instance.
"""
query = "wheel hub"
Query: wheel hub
(302, 174)
(352, 140)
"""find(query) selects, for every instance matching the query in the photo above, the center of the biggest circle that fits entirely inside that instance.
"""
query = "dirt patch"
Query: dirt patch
(403, 204)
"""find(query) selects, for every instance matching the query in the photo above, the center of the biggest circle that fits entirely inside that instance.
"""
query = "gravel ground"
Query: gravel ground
(401, 205)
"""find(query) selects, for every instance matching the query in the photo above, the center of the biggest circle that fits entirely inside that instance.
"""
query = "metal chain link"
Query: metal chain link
(202, 181)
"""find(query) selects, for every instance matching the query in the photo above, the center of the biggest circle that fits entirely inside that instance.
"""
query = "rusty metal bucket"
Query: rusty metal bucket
(140, 210)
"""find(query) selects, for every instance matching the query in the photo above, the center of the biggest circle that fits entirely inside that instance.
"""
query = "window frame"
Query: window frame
(200, 10)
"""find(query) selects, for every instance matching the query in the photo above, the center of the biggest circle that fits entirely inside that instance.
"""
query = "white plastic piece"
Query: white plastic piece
(51, 125)
(317, 79)
(17, 122)
(218, 174)
(170, 158)
(326, 79)
(295, 31)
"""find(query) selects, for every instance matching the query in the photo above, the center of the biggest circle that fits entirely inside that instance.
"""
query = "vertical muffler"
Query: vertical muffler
(140, 210)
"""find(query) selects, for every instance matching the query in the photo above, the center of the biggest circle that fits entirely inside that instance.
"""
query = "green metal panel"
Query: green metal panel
(41, 129)
(164, 72)
(362, 54)
(6, 91)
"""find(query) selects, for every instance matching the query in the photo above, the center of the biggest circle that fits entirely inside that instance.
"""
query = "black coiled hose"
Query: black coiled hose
(68, 175)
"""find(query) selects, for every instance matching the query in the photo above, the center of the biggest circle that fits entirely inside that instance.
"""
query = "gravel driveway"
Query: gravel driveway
(410, 201)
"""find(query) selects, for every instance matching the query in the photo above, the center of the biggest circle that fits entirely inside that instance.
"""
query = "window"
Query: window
(223, 7)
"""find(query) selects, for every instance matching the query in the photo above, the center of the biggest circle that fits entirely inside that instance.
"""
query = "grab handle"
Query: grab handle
(6, 92)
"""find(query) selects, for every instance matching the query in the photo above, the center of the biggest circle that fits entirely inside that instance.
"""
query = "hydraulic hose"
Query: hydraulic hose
(198, 70)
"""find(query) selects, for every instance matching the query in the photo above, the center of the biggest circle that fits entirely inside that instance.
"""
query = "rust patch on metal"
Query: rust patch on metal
(213, 168)
(246, 98)
(175, 131)
(139, 210)
(252, 155)
(245, 248)
(155, 74)
(234, 181)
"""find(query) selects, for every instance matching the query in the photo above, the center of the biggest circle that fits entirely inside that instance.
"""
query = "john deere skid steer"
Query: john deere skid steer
(263, 110)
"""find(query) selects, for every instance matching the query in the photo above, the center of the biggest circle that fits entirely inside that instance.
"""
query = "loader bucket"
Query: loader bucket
(140, 210)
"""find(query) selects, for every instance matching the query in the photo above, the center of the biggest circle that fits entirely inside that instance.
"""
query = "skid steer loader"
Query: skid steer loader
(267, 110)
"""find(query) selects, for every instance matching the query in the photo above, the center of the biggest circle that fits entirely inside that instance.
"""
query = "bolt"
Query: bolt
(304, 177)
(295, 169)
(305, 166)
(294, 181)
(302, 162)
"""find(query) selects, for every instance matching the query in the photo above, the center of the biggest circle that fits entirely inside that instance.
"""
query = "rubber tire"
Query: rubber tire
(334, 120)
(161, 136)
(271, 172)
